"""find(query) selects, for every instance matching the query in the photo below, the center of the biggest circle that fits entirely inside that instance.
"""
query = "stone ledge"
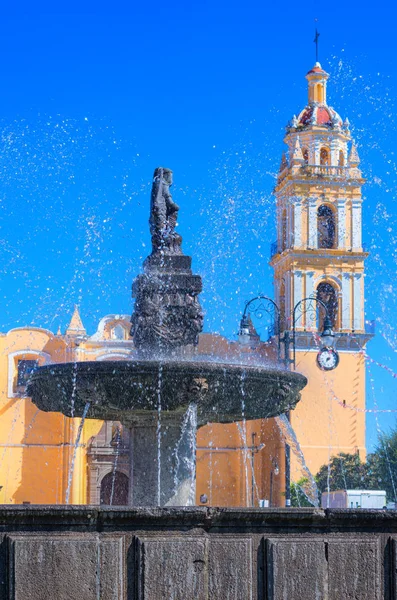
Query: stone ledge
(196, 553)
(207, 517)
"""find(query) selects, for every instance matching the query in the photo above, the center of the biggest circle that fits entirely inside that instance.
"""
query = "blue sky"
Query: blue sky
(94, 98)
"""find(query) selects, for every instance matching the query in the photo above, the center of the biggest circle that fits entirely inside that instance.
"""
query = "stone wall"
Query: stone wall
(91, 553)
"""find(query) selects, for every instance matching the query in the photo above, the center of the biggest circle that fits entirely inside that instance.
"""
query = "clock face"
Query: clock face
(327, 359)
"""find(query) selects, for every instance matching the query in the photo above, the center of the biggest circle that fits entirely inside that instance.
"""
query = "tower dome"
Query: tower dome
(317, 113)
(321, 116)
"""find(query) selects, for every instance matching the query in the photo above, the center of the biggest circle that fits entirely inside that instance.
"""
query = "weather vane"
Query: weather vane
(316, 41)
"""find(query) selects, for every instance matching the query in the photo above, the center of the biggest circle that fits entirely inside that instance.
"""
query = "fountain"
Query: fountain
(186, 552)
(151, 395)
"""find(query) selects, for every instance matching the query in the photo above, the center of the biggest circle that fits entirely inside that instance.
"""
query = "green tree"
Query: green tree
(382, 465)
(346, 471)
(298, 497)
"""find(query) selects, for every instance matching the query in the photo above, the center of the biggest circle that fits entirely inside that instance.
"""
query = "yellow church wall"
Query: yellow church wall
(32, 443)
(224, 467)
(324, 427)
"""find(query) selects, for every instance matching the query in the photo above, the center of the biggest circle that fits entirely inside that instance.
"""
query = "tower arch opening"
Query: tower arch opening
(326, 227)
(327, 293)
(114, 489)
(324, 156)
(305, 154)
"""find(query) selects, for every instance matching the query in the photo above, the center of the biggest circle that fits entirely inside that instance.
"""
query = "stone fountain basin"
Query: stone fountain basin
(130, 391)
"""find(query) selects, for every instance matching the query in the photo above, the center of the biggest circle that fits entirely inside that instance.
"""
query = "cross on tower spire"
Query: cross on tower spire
(317, 35)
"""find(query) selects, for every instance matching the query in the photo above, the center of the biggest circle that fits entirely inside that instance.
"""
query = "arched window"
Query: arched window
(325, 227)
(305, 153)
(324, 156)
(327, 294)
(118, 333)
(114, 489)
(341, 161)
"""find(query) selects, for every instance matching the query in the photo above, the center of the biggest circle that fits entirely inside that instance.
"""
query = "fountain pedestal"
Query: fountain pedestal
(162, 460)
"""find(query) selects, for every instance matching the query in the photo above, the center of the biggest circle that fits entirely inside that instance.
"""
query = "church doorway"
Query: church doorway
(114, 489)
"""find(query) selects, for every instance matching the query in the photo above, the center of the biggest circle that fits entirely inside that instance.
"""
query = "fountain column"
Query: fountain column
(166, 322)
(162, 461)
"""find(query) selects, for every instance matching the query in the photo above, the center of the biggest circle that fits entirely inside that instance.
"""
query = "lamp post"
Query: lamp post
(288, 339)
(257, 306)
(274, 470)
(327, 357)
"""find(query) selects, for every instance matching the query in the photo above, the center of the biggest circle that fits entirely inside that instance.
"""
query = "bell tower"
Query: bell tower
(319, 253)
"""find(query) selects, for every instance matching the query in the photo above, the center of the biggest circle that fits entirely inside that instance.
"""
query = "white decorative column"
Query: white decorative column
(341, 205)
(358, 301)
(298, 293)
(312, 222)
(356, 224)
(297, 207)
(346, 321)
(287, 281)
(290, 226)
(334, 153)
(280, 226)
(317, 147)
(310, 315)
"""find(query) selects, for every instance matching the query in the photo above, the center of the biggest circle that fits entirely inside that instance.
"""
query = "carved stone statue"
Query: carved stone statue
(167, 314)
(164, 214)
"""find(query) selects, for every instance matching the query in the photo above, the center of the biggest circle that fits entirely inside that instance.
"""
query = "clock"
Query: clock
(327, 359)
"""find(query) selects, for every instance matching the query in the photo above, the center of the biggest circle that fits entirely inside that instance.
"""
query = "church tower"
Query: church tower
(319, 253)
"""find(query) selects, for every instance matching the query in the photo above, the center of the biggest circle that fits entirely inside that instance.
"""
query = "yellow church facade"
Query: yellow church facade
(318, 254)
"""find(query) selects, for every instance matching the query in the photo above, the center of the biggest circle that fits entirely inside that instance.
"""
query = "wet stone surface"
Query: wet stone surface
(65, 553)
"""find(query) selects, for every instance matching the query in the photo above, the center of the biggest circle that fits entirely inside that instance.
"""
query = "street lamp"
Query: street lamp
(327, 357)
(274, 471)
(258, 306)
(288, 340)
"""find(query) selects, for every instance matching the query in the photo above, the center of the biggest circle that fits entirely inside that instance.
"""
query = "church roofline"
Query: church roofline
(30, 328)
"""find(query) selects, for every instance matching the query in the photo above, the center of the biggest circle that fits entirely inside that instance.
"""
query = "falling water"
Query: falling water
(76, 445)
(186, 423)
(243, 434)
(158, 433)
(184, 492)
(192, 437)
(116, 460)
(310, 489)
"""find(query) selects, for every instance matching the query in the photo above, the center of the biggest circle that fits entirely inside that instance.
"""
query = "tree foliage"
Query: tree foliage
(347, 471)
(382, 465)
(298, 497)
